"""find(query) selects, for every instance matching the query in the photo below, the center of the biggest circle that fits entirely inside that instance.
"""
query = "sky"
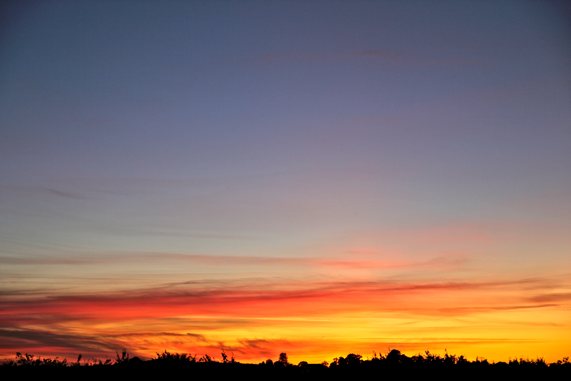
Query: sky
(309, 177)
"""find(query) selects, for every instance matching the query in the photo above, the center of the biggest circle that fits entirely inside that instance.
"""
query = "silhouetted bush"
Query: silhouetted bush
(185, 366)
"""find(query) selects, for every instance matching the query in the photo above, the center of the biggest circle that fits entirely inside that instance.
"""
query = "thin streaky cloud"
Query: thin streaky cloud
(160, 302)
(561, 297)
(390, 56)
(40, 339)
(43, 190)
(246, 260)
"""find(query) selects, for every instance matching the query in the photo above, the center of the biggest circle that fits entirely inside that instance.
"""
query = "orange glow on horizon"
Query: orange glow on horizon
(313, 321)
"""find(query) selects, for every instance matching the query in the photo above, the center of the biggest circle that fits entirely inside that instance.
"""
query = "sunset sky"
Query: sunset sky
(309, 177)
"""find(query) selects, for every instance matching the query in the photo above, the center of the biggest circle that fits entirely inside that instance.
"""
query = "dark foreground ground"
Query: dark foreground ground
(394, 366)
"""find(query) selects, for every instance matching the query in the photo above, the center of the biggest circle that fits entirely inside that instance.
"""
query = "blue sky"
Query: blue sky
(229, 110)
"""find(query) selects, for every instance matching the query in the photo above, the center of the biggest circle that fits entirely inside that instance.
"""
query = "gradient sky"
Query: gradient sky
(315, 177)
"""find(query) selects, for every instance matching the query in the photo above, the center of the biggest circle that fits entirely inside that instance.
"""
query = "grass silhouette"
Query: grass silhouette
(168, 365)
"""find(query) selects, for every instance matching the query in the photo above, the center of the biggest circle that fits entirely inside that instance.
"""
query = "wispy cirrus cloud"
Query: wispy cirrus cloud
(369, 261)
(36, 341)
(292, 299)
(319, 56)
(69, 344)
(555, 297)
(253, 318)
(390, 56)
(41, 190)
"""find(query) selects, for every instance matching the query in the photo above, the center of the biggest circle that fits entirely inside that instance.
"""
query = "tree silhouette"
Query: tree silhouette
(183, 366)
(283, 358)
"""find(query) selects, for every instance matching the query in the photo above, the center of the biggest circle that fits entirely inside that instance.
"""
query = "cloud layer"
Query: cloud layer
(255, 319)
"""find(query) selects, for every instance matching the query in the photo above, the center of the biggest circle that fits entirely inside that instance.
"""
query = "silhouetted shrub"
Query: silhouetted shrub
(185, 366)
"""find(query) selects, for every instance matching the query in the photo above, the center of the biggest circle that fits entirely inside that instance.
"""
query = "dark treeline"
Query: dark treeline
(184, 366)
